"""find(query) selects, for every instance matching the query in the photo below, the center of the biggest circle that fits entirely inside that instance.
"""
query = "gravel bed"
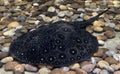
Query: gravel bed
(21, 16)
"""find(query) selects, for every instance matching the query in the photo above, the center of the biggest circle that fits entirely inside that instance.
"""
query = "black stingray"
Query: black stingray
(58, 44)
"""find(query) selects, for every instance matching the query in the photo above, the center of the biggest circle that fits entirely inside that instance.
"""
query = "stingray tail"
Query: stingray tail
(85, 23)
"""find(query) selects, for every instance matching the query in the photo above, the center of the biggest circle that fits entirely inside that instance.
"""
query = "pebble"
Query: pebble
(10, 32)
(93, 5)
(110, 53)
(103, 64)
(117, 72)
(5, 40)
(98, 29)
(97, 71)
(81, 71)
(19, 68)
(35, 4)
(3, 55)
(5, 49)
(101, 42)
(65, 69)
(63, 7)
(30, 68)
(111, 60)
(88, 67)
(101, 37)
(100, 52)
(104, 72)
(70, 72)
(69, 13)
(89, 29)
(44, 70)
(7, 59)
(57, 71)
(116, 57)
(2, 26)
(47, 19)
(98, 23)
(117, 27)
(110, 34)
(112, 25)
(61, 13)
(10, 66)
(21, 18)
(13, 24)
(75, 66)
(51, 9)
(118, 47)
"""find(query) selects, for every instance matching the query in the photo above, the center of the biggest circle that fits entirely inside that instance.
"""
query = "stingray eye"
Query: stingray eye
(73, 51)
(62, 56)
(51, 58)
(61, 36)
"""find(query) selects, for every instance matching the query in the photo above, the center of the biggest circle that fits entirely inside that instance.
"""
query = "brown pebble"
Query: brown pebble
(98, 23)
(88, 67)
(100, 52)
(102, 37)
(57, 71)
(84, 63)
(98, 29)
(2, 26)
(3, 55)
(30, 68)
(1, 33)
(117, 72)
(109, 34)
(10, 66)
(5, 40)
(117, 27)
(19, 69)
(81, 71)
(89, 29)
(70, 72)
(111, 60)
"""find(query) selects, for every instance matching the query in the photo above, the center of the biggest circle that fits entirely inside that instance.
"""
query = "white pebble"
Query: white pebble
(30, 68)
(97, 71)
(101, 42)
(10, 32)
(103, 64)
(19, 27)
(44, 70)
(5, 49)
(116, 57)
(7, 59)
(112, 25)
(35, 4)
(109, 68)
(74, 66)
(51, 9)
(65, 69)
(104, 72)
(93, 61)
(61, 14)
(110, 53)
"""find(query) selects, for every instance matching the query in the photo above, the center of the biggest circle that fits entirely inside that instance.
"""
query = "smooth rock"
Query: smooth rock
(63, 7)
(100, 52)
(10, 66)
(103, 64)
(110, 34)
(117, 27)
(30, 68)
(57, 71)
(35, 4)
(10, 32)
(5, 49)
(19, 68)
(51, 9)
(3, 55)
(104, 72)
(75, 66)
(117, 72)
(116, 57)
(7, 59)
(112, 25)
(88, 67)
(80, 71)
(70, 72)
(111, 60)
(2, 26)
(44, 70)
(65, 69)
(61, 14)
(98, 23)
(101, 42)
(47, 19)
(110, 53)
(98, 29)
(102, 37)
(13, 24)
(97, 71)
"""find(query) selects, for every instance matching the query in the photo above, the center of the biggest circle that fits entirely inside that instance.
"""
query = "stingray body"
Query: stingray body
(58, 44)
